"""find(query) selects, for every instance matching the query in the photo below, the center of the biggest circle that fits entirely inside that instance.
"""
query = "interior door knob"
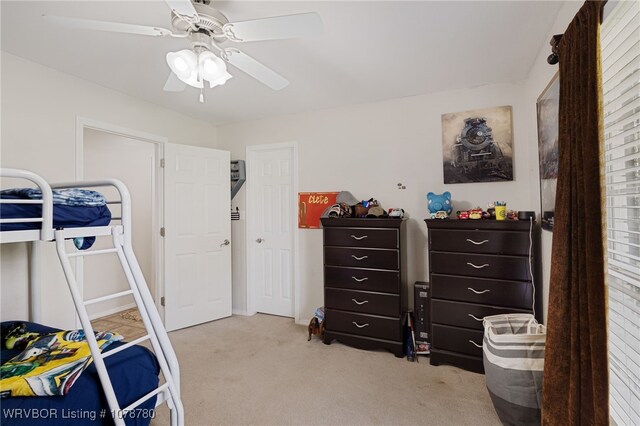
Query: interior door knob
(225, 243)
(259, 240)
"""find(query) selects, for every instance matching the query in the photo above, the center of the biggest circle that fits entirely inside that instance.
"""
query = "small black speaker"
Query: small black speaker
(526, 215)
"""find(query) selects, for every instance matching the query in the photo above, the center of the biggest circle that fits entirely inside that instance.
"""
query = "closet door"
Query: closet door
(197, 235)
(271, 222)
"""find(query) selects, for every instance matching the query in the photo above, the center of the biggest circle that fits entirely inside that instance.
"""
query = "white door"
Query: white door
(271, 212)
(197, 235)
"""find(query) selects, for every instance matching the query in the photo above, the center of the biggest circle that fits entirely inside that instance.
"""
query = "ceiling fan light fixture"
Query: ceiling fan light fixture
(193, 81)
(212, 68)
(220, 80)
(183, 64)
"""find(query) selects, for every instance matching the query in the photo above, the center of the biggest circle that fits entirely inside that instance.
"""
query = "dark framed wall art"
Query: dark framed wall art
(477, 145)
(547, 107)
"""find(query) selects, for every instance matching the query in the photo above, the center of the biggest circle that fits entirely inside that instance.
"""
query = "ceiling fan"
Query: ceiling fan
(206, 28)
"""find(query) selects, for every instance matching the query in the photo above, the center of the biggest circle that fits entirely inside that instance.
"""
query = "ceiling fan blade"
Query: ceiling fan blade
(174, 84)
(277, 27)
(183, 8)
(118, 27)
(255, 69)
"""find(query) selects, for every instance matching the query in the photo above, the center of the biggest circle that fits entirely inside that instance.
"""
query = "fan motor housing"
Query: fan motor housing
(210, 21)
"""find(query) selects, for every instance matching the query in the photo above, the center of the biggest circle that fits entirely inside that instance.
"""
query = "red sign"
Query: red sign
(311, 205)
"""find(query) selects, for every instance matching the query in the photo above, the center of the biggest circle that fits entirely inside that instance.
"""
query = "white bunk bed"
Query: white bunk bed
(120, 234)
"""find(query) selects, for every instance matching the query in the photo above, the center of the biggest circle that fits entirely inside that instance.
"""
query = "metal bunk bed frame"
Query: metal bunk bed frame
(169, 391)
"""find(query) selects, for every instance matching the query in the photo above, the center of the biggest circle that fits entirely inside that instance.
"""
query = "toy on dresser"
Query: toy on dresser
(439, 205)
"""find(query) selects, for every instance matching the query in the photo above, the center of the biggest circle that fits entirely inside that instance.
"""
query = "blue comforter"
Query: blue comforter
(66, 215)
(134, 372)
(67, 197)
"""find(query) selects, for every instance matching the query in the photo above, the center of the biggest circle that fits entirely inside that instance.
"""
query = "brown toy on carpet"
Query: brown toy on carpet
(316, 327)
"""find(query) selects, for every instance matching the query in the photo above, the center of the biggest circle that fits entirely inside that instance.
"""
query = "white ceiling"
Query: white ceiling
(370, 51)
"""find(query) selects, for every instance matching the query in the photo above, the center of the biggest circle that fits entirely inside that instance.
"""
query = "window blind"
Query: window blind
(620, 41)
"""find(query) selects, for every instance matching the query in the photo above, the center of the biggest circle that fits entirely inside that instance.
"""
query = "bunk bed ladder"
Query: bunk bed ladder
(156, 334)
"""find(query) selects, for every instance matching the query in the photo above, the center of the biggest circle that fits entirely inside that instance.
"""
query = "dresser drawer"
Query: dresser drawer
(479, 265)
(517, 294)
(469, 315)
(363, 325)
(362, 237)
(363, 301)
(362, 279)
(457, 339)
(488, 242)
(364, 258)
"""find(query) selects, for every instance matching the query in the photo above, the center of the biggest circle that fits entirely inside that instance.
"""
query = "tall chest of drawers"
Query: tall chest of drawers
(365, 292)
(478, 268)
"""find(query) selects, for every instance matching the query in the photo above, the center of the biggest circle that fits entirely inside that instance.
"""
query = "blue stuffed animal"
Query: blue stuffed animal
(439, 204)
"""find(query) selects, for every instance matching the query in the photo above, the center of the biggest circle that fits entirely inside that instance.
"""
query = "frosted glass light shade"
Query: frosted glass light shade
(220, 80)
(212, 68)
(184, 65)
(193, 69)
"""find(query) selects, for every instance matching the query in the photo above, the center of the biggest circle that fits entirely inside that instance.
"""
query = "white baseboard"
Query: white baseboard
(299, 321)
(242, 313)
(111, 311)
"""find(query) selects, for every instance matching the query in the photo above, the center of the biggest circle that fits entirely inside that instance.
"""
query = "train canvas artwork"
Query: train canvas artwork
(477, 145)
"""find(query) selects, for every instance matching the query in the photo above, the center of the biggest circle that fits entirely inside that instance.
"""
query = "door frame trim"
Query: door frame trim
(250, 209)
(157, 242)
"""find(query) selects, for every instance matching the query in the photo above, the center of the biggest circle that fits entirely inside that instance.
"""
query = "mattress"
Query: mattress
(64, 216)
(133, 372)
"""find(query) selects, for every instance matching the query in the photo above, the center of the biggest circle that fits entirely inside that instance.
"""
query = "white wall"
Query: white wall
(539, 76)
(39, 111)
(369, 149)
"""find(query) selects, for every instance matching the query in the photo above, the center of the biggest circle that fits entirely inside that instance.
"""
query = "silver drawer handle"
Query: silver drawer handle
(359, 258)
(360, 303)
(358, 238)
(478, 243)
(478, 266)
(478, 292)
(475, 344)
(358, 325)
(475, 317)
(360, 279)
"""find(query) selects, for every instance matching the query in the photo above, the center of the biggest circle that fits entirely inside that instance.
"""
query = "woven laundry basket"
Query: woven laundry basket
(513, 356)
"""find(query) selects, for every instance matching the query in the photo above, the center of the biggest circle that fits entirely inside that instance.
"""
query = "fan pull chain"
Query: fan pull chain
(201, 96)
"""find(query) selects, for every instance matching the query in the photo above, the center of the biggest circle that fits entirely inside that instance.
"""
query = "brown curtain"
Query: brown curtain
(576, 374)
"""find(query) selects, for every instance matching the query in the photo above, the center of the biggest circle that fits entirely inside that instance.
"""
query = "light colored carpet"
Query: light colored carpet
(261, 370)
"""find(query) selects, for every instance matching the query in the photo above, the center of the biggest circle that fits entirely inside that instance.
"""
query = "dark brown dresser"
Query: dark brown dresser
(365, 292)
(477, 268)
